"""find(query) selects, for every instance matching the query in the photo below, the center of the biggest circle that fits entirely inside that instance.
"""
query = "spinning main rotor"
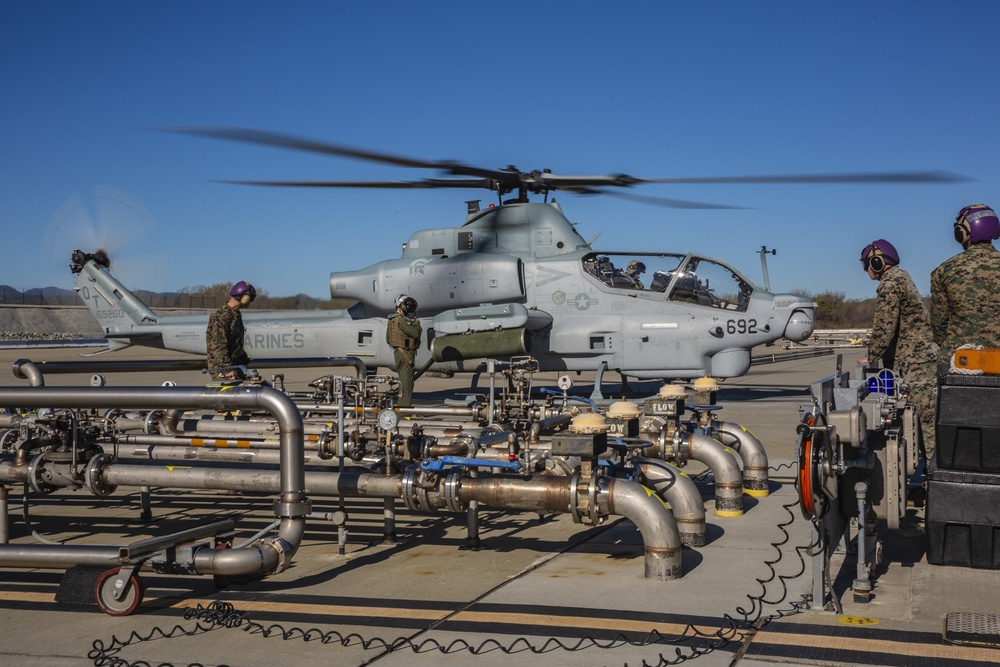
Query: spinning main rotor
(510, 178)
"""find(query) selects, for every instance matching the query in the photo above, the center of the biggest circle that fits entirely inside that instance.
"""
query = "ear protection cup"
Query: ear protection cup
(245, 299)
(876, 263)
(961, 233)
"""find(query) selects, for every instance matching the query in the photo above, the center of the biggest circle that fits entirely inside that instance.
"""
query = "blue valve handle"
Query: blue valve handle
(438, 465)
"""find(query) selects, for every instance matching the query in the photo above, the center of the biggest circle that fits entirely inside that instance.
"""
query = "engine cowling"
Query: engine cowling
(437, 283)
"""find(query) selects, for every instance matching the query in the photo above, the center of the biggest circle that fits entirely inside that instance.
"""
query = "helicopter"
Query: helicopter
(515, 279)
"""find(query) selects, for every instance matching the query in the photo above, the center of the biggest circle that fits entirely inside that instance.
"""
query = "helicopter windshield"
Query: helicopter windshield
(684, 278)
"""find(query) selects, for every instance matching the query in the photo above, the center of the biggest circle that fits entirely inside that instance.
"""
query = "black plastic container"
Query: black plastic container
(962, 520)
(968, 423)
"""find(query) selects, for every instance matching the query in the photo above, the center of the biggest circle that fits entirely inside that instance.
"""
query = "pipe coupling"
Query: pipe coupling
(417, 491)
(95, 473)
(39, 476)
(452, 490)
(588, 504)
(284, 551)
(292, 509)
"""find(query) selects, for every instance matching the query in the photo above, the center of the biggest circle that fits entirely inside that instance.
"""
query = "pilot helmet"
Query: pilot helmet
(406, 303)
(879, 255)
(636, 267)
(976, 224)
(243, 292)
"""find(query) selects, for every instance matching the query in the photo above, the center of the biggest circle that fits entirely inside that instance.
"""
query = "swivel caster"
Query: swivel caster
(117, 595)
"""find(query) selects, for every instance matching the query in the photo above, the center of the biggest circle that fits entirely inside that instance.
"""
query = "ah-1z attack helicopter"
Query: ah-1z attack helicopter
(516, 278)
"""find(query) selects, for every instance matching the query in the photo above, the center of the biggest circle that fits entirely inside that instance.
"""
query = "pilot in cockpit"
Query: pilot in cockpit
(633, 270)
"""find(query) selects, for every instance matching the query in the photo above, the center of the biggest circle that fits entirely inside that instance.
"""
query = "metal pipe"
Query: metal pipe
(195, 441)
(227, 454)
(725, 470)
(751, 450)
(660, 536)
(292, 505)
(683, 495)
(661, 541)
(168, 421)
(26, 369)
(211, 424)
(4, 518)
(361, 484)
(454, 448)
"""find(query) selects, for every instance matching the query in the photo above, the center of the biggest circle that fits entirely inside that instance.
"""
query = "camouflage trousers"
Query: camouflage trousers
(922, 381)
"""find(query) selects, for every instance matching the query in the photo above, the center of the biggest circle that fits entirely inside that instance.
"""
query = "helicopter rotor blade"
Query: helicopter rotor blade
(663, 201)
(266, 138)
(480, 183)
(859, 177)
(510, 178)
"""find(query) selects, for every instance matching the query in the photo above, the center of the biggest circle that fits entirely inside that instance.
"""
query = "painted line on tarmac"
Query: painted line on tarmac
(864, 646)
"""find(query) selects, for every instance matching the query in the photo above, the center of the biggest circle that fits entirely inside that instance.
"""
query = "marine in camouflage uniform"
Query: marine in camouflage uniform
(402, 333)
(225, 333)
(965, 300)
(901, 338)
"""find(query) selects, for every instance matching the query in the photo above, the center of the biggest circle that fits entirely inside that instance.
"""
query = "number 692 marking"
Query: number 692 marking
(741, 326)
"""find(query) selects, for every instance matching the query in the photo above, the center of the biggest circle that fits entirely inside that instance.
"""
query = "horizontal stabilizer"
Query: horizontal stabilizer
(134, 337)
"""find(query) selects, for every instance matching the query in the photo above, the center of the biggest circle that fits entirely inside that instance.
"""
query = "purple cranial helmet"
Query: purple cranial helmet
(241, 288)
(878, 255)
(976, 224)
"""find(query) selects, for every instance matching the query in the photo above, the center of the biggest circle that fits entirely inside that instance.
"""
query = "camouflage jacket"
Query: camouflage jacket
(224, 338)
(901, 330)
(965, 300)
(403, 332)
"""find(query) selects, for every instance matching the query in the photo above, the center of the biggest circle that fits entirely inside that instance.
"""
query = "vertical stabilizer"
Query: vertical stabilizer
(117, 310)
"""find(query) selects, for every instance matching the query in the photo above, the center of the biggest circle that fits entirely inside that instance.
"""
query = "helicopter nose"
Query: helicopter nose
(800, 325)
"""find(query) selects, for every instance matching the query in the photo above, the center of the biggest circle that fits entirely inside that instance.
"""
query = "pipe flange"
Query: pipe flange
(452, 488)
(8, 439)
(574, 497)
(681, 443)
(95, 467)
(324, 450)
(294, 509)
(596, 519)
(409, 486)
(35, 481)
(111, 415)
(471, 444)
(283, 549)
(152, 426)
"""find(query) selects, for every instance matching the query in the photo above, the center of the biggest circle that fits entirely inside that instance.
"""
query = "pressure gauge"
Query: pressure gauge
(565, 382)
(388, 419)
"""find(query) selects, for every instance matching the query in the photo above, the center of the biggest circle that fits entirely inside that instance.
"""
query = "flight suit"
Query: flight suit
(224, 339)
(965, 300)
(403, 335)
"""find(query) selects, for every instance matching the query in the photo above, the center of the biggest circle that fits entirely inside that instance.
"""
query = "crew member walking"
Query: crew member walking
(225, 333)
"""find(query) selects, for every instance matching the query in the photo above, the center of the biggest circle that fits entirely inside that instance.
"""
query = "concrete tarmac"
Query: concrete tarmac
(539, 591)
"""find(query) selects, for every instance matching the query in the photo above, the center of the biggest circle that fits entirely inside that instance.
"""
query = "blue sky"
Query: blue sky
(654, 89)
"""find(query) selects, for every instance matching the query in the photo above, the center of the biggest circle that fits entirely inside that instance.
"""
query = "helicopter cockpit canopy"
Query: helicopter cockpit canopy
(690, 278)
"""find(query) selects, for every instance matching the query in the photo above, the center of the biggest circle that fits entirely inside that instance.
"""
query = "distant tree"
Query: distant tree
(828, 310)
(213, 296)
